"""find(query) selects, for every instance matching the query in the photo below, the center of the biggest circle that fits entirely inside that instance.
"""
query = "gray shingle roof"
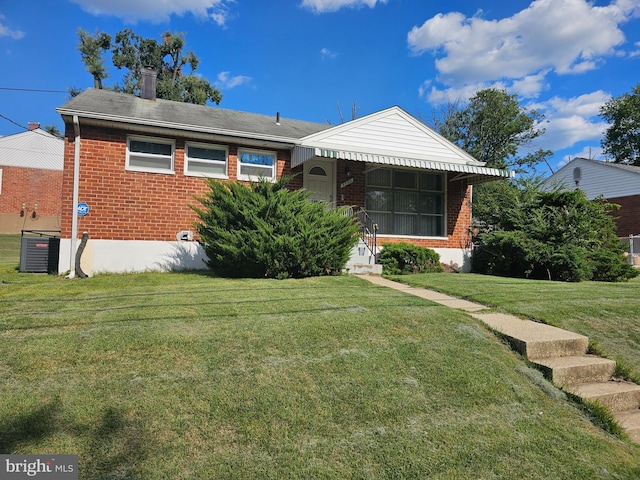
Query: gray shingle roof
(621, 166)
(120, 107)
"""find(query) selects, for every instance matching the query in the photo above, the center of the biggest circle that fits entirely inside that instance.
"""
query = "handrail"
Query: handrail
(368, 231)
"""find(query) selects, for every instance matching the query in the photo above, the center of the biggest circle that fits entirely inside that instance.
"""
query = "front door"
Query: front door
(319, 179)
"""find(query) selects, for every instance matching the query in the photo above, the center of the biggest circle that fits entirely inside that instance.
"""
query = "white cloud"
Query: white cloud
(323, 6)
(5, 31)
(327, 54)
(522, 49)
(228, 82)
(635, 52)
(572, 120)
(132, 11)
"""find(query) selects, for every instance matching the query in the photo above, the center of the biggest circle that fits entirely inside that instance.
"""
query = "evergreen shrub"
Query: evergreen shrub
(404, 258)
(264, 230)
(558, 235)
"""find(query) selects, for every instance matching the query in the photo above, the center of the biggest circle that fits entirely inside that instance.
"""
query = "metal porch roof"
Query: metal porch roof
(475, 173)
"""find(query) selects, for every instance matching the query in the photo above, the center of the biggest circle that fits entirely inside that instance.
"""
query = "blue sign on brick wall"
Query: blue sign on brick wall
(83, 209)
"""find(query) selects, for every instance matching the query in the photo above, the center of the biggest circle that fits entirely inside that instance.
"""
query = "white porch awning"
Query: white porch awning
(473, 172)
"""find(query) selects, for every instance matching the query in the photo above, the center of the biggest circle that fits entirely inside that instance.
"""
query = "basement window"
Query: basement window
(152, 155)
(203, 160)
(256, 164)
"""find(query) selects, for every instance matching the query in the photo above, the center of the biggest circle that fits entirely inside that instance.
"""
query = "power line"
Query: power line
(33, 90)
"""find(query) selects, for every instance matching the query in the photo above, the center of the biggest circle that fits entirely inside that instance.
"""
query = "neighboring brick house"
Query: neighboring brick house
(618, 183)
(30, 181)
(138, 163)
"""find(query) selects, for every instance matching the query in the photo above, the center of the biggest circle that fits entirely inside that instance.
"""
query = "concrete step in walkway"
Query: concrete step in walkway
(559, 354)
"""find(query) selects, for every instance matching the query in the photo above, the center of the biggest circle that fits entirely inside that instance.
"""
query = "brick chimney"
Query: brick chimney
(148, 87)
(34, 125)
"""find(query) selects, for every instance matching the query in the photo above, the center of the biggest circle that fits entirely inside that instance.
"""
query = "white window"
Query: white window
(203, 160)
(146, 154)
(254, 164)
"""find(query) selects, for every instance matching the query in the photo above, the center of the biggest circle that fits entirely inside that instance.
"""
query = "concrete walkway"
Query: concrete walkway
(561, 355)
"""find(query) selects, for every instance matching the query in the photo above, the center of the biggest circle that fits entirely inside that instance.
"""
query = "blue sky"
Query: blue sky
(564, 58)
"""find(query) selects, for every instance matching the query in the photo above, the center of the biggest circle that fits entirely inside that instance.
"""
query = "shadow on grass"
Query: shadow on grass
(30, 427)
(114, 445)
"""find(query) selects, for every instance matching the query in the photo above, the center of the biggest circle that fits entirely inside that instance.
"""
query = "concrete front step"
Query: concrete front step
(630, 421)
(617, 396)
(536, 340)
(571, 370)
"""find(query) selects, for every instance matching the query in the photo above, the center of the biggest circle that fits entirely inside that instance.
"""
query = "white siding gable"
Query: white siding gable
(390, 132)
(32, 149)
(598, 178)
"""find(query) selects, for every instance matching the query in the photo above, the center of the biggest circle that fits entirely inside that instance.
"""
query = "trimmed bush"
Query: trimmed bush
(404, 258)
(558, 235)
(264, 230)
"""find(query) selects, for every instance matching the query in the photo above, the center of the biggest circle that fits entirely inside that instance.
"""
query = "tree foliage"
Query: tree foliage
(264, 230)
(175, 67)
(494, 128)
(558, 235)
(92, 48)
(622, 139)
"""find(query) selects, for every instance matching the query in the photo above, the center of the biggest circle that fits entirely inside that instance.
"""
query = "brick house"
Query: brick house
(138, 163)
(30, 181)
(617, 183)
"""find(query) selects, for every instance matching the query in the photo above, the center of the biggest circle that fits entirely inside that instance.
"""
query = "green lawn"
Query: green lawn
(9, 251)
(186, 376)
(608, 313)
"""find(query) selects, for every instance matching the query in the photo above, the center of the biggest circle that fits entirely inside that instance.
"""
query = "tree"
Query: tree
(494, 128)
(92, 49)
(176, 77)
(622, 139)
(53, 130)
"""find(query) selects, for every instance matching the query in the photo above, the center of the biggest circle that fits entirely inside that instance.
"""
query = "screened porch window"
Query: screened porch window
(405, 202)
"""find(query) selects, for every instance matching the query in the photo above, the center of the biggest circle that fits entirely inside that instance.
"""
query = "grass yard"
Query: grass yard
(9, 251)
(185, 376)
(608, 313)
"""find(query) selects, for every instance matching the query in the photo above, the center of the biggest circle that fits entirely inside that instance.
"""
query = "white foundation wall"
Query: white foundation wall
(458, 256)
(124, 256)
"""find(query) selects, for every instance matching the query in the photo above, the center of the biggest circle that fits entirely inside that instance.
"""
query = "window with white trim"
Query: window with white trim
(145, 154)
(405, 202)
(204, 160)
(254, 164)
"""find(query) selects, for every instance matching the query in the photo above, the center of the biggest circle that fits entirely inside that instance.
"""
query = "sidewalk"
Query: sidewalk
(560, 354)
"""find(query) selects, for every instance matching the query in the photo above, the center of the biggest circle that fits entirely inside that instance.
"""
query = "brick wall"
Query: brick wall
(30, 186)
(628, 217)
(40, 192)
(126, 205)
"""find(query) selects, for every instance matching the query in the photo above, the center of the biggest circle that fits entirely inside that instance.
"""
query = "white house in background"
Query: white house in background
(615, 182)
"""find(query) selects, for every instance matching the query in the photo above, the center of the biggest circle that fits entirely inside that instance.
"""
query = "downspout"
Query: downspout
(76, 183)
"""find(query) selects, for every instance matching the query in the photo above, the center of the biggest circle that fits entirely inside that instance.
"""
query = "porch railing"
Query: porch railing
(368, 231)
